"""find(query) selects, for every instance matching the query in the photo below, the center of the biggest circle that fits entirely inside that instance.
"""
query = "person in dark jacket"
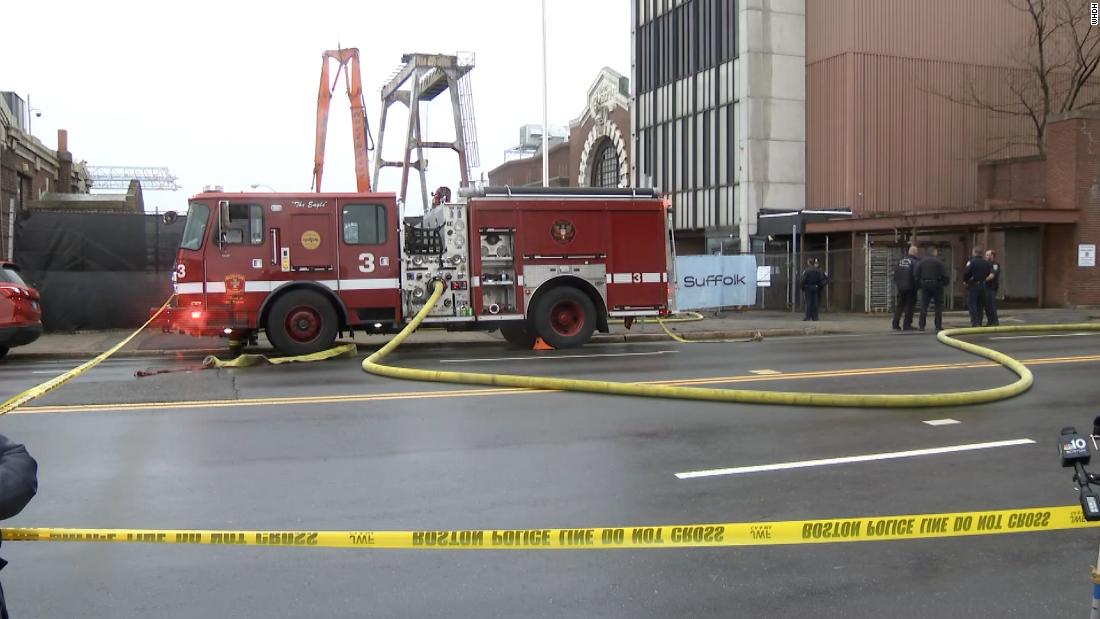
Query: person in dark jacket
(932, 277)
(18, 485)
(975, 275)
(992, 285)
(813, 280)
(905, 280)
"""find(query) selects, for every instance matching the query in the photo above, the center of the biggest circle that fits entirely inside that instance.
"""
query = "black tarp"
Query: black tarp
(97, 270)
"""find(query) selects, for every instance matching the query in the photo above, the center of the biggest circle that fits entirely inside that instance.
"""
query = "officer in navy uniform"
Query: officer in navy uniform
(813, 280)
(18, 485)
(975, 274)
(992, 285)
(905, 280)
(932, 277)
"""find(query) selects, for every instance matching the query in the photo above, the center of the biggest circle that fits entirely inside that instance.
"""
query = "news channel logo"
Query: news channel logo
(1094, 13)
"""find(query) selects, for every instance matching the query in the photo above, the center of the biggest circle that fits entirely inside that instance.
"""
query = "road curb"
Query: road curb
(15, 355)
(611, 338)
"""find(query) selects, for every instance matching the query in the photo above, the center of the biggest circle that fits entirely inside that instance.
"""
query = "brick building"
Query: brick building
(597, 151)
(28, 169)
(889, 142)
(1066, 183)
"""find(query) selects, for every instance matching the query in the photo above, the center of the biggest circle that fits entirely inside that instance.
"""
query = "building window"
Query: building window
(605, 168)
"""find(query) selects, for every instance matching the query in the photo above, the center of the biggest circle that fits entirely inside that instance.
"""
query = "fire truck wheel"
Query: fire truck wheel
(565, 317)
(302, 322)
(518, 334)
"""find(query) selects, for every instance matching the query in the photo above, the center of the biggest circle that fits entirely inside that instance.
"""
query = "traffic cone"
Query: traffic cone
(540, 344)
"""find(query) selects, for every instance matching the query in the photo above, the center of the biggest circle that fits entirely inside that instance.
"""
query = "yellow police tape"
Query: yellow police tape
(38, 391)
(819, 531)
(789, 398)
(247, 360)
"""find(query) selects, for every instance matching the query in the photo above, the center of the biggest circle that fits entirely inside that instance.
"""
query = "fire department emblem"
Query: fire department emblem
(563, 231)
(311, 240)
(234, 287)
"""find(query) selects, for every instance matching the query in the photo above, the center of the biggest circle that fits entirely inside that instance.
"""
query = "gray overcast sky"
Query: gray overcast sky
(225, 92)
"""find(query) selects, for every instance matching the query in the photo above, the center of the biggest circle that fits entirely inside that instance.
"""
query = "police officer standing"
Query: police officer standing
(975, 274)
(992, 285)
(931, 277)
(905, 280)
(18, 485)
(813, 280)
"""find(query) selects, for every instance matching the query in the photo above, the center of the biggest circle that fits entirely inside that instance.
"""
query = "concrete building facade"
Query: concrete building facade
(719, 104)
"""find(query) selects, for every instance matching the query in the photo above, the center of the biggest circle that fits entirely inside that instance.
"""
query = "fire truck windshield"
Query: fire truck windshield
(195, 229)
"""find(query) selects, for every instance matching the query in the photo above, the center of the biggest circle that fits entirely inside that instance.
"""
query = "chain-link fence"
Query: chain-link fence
(783, 290)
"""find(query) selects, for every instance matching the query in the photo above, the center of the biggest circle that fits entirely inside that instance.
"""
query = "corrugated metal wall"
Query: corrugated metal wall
(882, 132)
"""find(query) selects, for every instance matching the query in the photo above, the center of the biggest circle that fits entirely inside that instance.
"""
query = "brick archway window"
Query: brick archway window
(605, 166)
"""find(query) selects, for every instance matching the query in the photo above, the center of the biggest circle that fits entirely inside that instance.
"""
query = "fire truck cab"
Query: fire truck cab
(550, 263)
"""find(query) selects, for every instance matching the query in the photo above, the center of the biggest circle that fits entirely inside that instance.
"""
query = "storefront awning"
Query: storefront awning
(1006, 217)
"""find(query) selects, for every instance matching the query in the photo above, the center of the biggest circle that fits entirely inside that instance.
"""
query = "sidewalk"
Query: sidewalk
(729, 325)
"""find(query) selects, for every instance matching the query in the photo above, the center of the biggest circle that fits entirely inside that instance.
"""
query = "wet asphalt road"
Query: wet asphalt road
(386, 457)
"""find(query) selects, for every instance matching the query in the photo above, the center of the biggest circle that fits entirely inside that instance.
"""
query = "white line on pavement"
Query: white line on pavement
(617, 354)
(1029, 337)
(941, 422)
(850, 459)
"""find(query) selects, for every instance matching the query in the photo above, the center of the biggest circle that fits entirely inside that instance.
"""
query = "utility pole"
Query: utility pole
(545, 115)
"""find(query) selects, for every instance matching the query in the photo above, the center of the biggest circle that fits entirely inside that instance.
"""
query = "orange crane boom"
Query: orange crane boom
(348, 60)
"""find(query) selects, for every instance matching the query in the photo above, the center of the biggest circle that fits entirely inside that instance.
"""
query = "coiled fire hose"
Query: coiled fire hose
(373, 365)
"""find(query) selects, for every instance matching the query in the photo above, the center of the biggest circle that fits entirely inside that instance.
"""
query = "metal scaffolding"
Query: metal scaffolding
(422, 78)
(119, 177)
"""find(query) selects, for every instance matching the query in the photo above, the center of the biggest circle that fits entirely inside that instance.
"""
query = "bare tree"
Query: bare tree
(1058, 63)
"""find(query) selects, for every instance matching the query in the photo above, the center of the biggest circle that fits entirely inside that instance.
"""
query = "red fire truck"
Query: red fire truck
(549, 263)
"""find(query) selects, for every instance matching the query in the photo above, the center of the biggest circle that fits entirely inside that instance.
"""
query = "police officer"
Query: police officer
(975, 274)
(813, 280)
(992, 285)
(18, 485)
(931, 277)
(905, 280)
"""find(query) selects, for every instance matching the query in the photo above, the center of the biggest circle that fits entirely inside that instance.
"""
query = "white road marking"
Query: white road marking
(765, 372)
(617, 354)
(941, 422)
(850, 459)
(1028, 337)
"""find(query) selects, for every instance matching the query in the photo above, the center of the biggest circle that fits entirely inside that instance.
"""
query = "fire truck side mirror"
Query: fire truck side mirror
(169, 217)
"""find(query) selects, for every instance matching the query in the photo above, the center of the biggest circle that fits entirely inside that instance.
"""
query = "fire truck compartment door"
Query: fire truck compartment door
(311, 240)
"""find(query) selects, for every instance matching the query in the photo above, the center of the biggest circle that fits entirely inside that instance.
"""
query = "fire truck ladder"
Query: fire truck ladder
(422, 78)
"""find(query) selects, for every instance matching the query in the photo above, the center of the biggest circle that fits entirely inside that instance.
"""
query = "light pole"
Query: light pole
(31, 111)
(268, 187)
(545, 121)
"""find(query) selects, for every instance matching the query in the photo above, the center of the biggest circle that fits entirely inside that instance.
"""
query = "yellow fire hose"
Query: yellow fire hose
(851, 400)
(38, 391)
(687, 317)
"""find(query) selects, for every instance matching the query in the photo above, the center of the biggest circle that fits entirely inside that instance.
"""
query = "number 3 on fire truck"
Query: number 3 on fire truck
(636, 278)
(367, 261)
(181, 270)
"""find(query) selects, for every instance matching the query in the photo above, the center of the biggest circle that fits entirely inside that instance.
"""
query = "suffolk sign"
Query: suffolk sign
(715, 281)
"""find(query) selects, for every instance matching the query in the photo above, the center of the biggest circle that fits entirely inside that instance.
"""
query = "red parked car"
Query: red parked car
(20, 309)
